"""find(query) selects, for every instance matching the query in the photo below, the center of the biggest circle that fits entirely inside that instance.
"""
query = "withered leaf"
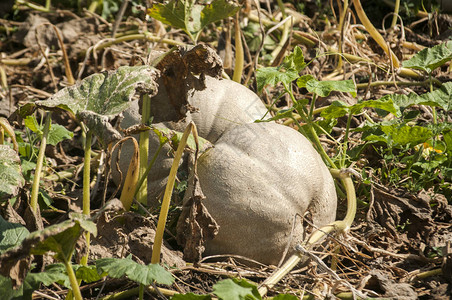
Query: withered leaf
(195, 224)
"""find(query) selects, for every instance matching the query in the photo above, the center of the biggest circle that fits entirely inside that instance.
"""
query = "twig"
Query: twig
(326, 269)
(119, 17)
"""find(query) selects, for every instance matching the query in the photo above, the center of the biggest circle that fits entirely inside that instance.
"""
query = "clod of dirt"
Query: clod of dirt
(390, 210)
(70, 31)
(119, 235)
(389, 288)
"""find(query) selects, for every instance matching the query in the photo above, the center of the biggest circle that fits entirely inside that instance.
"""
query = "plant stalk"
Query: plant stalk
(73, 280)
(148, 169)
(142, 195)
(239, 56)
(396, 13)
(86, 190)
(130, 183)
(37, 177)
(156, 249)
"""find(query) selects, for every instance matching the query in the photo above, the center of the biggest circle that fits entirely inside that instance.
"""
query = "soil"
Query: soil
(399, 246)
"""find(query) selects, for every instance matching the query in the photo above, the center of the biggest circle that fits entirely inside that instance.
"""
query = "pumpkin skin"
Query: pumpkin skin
(222, 104)
(256, 179)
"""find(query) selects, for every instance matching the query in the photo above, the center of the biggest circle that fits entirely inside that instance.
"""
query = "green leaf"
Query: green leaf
(144, 274)
(87, 273)
(11, 234)
(60, 239)
(384, 103)
(62, 243)
(107, 93)
(84, 222)
(192, 17)
(339, 109)
(172, 13)
(285, 73)
(335, 110)
(11, 179)
(162, 133)
(31, 123)
(448, 140)
(407, 135)
(190, 296)
(429, 59)
(376, 138)
(166, 135)
(295, 60)
(233, 289)
(57, 134)
(99, 98)
(59, 268)
(7, 291)
(32, 282)
(47, 277)
(324, 88)
(273, 75)
(217, 10)
(303, 80)
(441, 97)
(280, 114)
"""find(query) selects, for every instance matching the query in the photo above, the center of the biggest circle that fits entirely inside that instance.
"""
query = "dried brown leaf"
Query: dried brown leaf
(195, 224)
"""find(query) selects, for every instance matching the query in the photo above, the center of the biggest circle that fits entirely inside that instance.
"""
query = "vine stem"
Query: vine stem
(86, 190)
(40, 161)
(156, 249)
(148, 169)
(239, 56)
(73, 280)
(142, 195)
(396, 13)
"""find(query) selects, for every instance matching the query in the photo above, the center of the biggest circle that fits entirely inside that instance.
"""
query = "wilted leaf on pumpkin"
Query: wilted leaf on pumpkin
(11, 179)
(61, 238)
(429, 59)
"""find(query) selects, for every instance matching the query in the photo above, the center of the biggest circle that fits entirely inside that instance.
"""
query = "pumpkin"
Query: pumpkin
(222, 104)
(256, 179)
